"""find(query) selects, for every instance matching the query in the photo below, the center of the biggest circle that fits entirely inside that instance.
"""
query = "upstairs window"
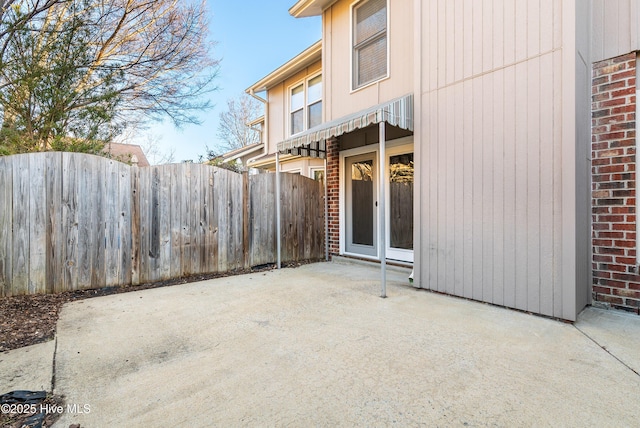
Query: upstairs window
(369, 42)
(305, 105)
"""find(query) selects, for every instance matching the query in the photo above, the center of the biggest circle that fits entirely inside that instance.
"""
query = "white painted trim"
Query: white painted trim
(351, 59)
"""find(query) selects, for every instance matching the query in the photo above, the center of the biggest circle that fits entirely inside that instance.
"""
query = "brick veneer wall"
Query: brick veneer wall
(333, 194)
(616, 280)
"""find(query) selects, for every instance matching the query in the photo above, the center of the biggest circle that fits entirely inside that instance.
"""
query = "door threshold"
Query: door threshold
(391, 264)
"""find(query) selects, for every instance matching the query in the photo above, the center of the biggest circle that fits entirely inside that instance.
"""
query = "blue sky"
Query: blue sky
(252, 38)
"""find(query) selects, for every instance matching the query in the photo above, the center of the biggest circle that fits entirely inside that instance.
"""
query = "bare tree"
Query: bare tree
(153, 151)
(88, 68)
(234, 130)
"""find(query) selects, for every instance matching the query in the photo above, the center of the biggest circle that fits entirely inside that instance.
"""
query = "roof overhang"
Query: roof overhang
(306, 8)
(242, 151)
(313, 142)
(309, 56)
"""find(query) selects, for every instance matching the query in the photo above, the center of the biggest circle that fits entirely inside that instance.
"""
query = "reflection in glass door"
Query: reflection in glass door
(400, 206)
(361, 217)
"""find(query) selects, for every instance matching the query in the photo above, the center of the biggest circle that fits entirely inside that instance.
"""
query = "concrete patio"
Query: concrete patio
(315, 345)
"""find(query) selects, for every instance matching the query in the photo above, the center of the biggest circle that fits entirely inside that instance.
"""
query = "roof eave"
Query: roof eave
(307, 8)
(302, 60)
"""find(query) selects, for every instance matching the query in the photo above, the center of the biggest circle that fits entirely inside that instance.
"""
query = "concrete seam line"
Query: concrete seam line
(607, 351)
(53, 368)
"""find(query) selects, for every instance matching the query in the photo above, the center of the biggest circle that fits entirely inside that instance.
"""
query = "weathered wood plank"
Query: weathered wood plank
(135, 226)
(144, 233)
(6, 224)
(20, 267)
(55, 265)
(124, 224)
(185, 216)
(70, 220)
(165, 222)
(175, 224)
(86, 222)
(102, 194)
(194, 218)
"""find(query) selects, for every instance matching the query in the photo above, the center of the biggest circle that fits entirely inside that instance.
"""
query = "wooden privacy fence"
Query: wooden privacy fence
(73, 221)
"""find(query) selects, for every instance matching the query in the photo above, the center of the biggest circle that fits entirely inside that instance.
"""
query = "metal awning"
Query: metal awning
(312, 143)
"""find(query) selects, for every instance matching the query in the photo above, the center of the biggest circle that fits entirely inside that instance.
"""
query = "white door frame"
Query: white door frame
(372, 148)
(394, 253)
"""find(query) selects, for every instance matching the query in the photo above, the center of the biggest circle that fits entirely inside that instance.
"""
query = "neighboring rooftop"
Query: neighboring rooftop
(127, 153)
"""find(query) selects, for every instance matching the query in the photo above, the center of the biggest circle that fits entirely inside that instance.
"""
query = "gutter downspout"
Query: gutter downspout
(265, 149)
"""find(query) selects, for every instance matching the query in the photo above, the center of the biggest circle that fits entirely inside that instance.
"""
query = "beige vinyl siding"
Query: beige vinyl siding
(340, 99)
(616, 28)
(496, 121)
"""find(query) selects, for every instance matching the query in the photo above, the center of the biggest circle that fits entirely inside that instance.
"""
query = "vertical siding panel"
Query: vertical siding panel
(458, 180)
(546, 185)
(478, 166)
(533, 185)
(509, 31)
(557, 183)
(442, 43)
(611, 24)
(451, 171)
(459, 45)
(487, 35)
(425, 201)
(6, 224)
(467, 173)
(498, 33)
(509, 187)
(433, 187)
(533, 30)
(521, 30)
(498, 188)
(477, 37)
(433, 45)
(467, 69)
(37, 224)
(521, 244)
(487, 187)
(597, 28)
(557, 24)
(546, 25)
(442, 244)
(623, 27)
(450, 39)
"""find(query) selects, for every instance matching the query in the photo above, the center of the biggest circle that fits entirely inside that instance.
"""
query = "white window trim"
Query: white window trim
(313, 169)
(351, 58)
(305, 113)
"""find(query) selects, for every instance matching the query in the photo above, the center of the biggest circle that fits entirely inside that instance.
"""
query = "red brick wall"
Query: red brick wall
(333, 193)
(616, 281)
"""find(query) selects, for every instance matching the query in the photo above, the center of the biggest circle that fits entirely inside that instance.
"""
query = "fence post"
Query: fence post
(245, 220)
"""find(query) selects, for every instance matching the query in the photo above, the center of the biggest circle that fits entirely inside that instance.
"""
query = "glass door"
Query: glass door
(361, 205)
(399, 206)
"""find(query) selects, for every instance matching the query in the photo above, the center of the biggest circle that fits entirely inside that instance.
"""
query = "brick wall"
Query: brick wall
(616, 281)
(333, 193)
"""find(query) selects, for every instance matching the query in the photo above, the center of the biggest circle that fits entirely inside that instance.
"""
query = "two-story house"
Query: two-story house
(456, 137)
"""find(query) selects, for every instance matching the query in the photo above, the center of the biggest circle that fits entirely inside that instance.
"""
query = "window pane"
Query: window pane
(314, 92)
(297, 98)
(371, 18)
(315, 114)
(362, 202)
(371, 61)
(297, 124)
(401, 201)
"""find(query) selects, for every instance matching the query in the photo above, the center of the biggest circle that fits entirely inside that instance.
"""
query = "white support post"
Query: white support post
(278, 211)
(382, 224)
